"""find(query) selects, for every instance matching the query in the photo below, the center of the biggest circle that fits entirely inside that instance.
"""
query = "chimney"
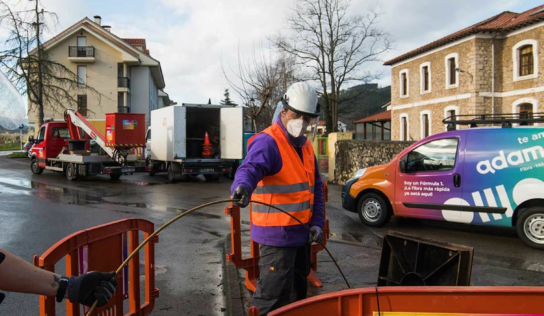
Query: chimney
(97, 19)
(107, 28)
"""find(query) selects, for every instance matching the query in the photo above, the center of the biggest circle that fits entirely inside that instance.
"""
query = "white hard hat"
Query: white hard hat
(302, 99)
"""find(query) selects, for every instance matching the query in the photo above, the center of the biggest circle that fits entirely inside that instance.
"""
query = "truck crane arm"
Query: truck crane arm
(76, 123)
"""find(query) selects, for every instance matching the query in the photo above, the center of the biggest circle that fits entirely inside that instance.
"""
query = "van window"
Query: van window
(148, 138)
(438, 155)
(61, 132)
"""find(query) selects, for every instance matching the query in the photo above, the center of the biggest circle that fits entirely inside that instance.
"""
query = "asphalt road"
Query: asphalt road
(38, 211)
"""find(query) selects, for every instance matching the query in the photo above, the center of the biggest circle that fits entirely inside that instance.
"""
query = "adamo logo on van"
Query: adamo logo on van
(515, 158)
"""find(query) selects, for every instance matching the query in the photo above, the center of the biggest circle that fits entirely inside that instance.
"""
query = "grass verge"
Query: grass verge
(4, 147)
(17, 155)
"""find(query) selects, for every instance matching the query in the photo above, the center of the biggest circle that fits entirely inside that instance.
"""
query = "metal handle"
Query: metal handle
(457, 180)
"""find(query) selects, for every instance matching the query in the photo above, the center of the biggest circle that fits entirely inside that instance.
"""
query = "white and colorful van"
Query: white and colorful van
(483, 176)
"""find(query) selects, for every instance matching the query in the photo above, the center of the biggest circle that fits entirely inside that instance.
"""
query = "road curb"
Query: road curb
(233, 291)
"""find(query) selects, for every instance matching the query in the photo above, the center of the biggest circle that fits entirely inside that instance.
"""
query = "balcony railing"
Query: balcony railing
(81, 51)
(123, 82)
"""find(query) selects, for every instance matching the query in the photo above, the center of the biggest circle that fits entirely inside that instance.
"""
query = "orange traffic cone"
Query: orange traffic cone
(206, 147)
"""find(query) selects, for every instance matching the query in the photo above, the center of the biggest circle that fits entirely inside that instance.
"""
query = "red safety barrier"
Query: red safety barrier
(459, 300)
(251, 264)
(104, 248)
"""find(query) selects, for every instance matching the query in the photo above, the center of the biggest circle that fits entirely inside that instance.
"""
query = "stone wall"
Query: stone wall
(352, 155)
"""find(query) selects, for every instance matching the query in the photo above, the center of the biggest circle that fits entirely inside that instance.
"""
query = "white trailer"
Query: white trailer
(176, 135)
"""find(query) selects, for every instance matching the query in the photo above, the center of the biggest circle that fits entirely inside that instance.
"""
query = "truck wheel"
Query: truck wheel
(171, 176)
(212, 177)
(152, 171)
(71, 172)
(34, 167)
(372, 210)
(115, 176)
(233, 170)
(530, 227)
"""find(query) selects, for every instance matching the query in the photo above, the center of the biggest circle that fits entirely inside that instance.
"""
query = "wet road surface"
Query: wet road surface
(38, 211)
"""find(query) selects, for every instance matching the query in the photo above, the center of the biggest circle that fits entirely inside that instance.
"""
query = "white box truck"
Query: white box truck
(177, 133)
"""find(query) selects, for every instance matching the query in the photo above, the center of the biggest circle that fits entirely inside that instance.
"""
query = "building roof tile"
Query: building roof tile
(135, 41)
(380, 117)
(504, 22)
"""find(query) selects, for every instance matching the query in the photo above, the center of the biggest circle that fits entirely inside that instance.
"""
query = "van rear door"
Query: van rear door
(431, 178)
(232, 133)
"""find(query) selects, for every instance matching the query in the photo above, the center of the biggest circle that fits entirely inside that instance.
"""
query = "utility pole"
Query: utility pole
(39, 64)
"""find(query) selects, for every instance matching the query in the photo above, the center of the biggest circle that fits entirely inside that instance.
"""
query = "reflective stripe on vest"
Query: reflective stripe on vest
(291, 189)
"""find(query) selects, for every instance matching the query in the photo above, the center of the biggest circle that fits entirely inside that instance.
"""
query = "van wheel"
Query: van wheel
(212, 177)
(71, 172)
(171, 176)
(115, 176)
(372, 210)
(530, 227)
(34, 167)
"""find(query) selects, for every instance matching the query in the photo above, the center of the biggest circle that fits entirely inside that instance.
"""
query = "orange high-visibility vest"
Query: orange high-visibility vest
(291, 189)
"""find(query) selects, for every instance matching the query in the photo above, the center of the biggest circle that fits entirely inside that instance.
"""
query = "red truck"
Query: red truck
(64, 147)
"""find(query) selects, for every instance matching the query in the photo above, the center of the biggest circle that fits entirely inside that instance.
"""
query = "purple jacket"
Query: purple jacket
(264, 159)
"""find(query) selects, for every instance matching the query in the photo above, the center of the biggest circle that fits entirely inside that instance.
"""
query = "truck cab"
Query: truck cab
(489, 176)
(52, 138)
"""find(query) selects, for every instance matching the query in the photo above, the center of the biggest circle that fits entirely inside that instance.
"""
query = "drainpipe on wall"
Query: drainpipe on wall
(493, 74)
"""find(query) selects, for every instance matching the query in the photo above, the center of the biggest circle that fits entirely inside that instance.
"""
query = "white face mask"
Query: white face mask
(296, 128)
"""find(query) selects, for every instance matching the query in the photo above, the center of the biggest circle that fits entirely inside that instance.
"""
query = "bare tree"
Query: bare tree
(334, 47)
(260, 82)
(29, 67)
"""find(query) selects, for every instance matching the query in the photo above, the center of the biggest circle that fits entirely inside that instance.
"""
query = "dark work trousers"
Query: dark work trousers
(283, 278)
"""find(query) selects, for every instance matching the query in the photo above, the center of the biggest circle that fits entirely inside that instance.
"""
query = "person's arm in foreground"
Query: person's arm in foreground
(17, 275)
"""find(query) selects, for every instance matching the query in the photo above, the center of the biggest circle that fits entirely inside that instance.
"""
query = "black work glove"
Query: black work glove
(241, 195)
(91, 286)
(316, 235)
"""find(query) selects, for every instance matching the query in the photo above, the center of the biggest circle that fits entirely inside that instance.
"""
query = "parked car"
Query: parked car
(28, 146)
(481, 176)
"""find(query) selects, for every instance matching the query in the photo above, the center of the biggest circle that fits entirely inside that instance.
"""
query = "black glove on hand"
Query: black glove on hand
(91, 286)
(241, 195)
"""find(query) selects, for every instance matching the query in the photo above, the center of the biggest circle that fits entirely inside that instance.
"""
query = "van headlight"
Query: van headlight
(359, 173)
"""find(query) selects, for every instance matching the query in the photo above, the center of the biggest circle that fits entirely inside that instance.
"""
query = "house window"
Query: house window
(452, 76)
(404, 127)
(525, 60)
(82, 76)
(451, 64)
(450, 113)
(526, 63)
(82, 104)
(525, 111)
(425, 76)
(425, 124)
(404, 83)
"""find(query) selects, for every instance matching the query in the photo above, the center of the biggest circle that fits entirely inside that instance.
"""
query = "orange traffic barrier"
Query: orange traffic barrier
(103, 248)
(251, 264)
(404, 301)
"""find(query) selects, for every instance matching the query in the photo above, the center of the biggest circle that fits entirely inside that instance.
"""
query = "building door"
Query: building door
(81, 46)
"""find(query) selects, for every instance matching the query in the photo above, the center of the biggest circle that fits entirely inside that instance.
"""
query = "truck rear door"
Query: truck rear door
(232, 133)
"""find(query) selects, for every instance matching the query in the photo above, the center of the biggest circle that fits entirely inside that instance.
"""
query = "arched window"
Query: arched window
(526, 61)
(525, 111)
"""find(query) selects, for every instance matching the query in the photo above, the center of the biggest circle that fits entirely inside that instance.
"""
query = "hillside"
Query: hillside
(361, 101)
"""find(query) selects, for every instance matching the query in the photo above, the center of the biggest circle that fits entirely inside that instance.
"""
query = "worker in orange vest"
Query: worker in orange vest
(281, 169)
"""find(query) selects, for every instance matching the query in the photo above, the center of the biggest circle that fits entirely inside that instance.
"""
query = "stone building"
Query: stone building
(492, 67)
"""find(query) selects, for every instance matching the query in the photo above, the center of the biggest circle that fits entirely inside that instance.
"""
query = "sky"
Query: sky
(196, 39)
